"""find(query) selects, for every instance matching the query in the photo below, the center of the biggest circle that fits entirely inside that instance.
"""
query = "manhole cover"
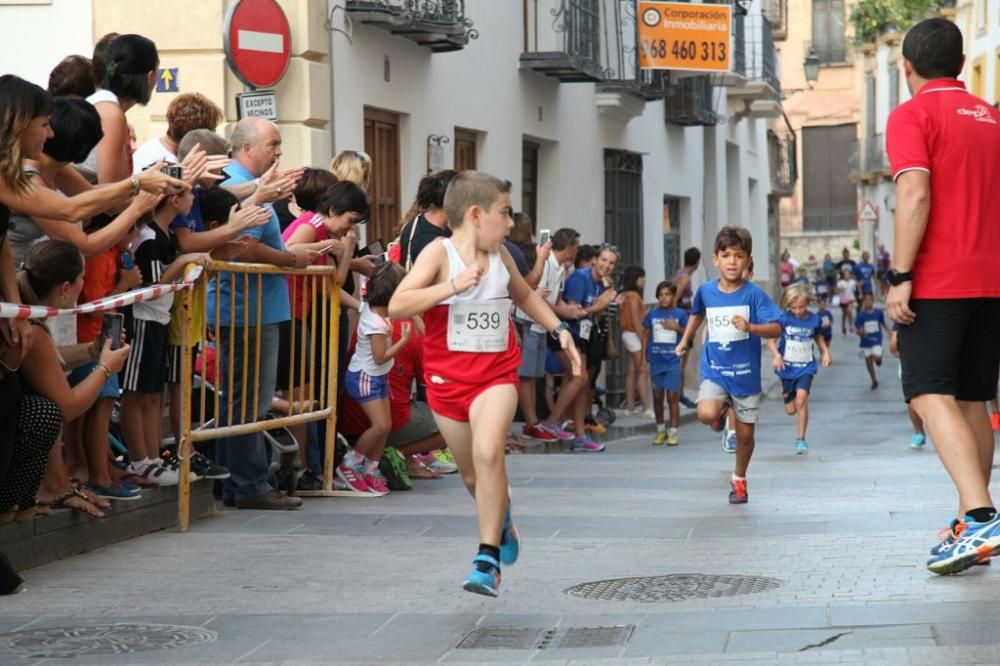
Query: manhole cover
(534, 638)
(673, 587)
(67, 642)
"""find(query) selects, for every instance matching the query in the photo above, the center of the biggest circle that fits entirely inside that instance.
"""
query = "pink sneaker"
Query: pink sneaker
(556, 430)
(587, 445)
(376, 484)
(351, 481)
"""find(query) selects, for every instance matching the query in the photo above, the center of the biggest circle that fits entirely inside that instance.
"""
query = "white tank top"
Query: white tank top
(493, 285)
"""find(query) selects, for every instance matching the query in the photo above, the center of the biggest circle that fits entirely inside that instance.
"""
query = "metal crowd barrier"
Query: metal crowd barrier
(316, 355)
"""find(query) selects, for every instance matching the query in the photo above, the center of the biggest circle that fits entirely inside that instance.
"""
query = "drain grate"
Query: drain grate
(673, 587)
(534, 638)
(101, 639)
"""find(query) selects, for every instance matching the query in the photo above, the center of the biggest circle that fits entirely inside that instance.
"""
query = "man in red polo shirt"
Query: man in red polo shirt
(944, 147)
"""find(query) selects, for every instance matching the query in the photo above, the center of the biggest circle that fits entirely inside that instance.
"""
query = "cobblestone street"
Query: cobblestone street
(839, 536)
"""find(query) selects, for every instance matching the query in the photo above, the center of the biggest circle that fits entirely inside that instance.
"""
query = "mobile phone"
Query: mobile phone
(126, 261)
(328, 248)
(111, 329)
(173, 171)
(543, 236)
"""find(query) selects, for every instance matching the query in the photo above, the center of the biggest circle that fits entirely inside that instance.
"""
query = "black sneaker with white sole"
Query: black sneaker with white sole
(204, 467)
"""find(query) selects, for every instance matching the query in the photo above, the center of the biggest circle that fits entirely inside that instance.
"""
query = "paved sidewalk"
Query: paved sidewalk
(839, 537)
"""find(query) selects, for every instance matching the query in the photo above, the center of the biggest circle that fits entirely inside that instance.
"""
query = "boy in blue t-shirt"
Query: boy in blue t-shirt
(825, 319)
(794, 361)
(870, 321)
(863, 272)
(739, 314)
(662, 328)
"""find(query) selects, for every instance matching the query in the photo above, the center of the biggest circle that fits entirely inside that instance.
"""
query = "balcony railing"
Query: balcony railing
(782, 156)
(691, 101)
(776, 12)
(875, 158)
(440, 25)
(761, 57)
(620, 57)
(562, 38)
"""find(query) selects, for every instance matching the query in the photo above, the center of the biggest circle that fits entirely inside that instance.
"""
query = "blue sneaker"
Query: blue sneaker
(510, 541)
(976, 543)
(117, 491)
(729, 441)
(946, 536)
(485, 576)
(917, 441)
(801, 447)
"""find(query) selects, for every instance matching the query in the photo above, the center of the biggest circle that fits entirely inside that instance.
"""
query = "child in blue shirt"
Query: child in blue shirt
(870, 321)
(739, 314)
(662, 328)
(794, 361)
(825, 319)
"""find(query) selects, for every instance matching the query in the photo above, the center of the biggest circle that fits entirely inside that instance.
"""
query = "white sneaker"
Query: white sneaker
(155, 471)
(648, 414)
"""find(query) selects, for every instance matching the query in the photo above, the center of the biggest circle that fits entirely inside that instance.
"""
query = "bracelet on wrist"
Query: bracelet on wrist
(136, 185)
(106, 369)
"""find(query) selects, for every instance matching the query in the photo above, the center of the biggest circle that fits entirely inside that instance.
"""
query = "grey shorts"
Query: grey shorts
(747, 408)
(532, 355)
(420, 426)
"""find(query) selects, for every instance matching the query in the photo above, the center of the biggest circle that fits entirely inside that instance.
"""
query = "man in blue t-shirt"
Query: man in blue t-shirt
(870, 321)
(662, 328)
(256, 146)
(739, 314)
(588, 289)
(864, 272)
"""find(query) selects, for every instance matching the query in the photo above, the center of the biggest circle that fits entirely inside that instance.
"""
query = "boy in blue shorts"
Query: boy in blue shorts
(739, 314)
(662, 327)
(870, 321)
(794, 361)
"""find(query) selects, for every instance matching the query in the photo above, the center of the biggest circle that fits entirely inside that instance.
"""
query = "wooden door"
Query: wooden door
(529, 182)
(465, 150)
(382, 144)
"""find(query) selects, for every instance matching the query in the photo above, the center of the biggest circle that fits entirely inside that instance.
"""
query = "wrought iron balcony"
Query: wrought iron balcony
(620, 58)
(782, 157)
(761, 57)
(691, 101)
(440, 25)
(562, 39)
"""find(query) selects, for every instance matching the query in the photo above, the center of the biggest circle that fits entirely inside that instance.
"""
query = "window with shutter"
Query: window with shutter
(830, 198)
(828, 31)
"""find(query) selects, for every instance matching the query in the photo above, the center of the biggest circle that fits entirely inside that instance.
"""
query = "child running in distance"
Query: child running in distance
(794, 361)
(919, 436)
(663, 327)
(367, 382)
(464, 285)
(738, 314)
(825, 319)
(870, 322)
(845, 296)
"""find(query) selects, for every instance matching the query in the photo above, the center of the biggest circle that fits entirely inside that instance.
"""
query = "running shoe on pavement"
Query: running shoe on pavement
(801, 446)
(485, 576)
(351, 481)
(947, 535)
(438, 466)
(660, 438)
(673, 439)
(738, 494)
(444, 455)
(729, 441)
(648, 414)
(376, 483)
(538, 433)
(556, 431)
(917, 441)
(510, 540)
(977, 543)
(586, 445)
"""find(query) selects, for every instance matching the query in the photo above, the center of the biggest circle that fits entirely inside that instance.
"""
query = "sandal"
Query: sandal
(77, 501)
(86, 494)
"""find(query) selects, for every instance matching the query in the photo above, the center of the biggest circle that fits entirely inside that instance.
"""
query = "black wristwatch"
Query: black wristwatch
(896, 278)
(563, 326)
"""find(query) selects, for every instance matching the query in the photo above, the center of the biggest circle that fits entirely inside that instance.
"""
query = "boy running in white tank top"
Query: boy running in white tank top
(463, 286)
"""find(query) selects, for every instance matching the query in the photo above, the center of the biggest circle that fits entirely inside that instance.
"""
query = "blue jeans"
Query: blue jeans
(246, 456)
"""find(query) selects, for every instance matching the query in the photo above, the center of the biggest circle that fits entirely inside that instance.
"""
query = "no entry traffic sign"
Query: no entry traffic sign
(257, 40)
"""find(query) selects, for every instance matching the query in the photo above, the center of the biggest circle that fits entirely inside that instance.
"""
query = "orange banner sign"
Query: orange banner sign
(685, 36)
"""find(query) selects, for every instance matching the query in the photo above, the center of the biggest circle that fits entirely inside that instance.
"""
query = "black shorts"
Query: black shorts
(951, 349)
(145, 368)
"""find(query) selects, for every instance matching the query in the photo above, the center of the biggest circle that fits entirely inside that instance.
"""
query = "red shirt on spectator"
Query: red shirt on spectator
(408, 365)
(955, 137)
(299, 293)
(100, 276)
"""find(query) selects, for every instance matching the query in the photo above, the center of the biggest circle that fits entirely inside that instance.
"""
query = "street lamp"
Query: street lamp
(810, 67)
